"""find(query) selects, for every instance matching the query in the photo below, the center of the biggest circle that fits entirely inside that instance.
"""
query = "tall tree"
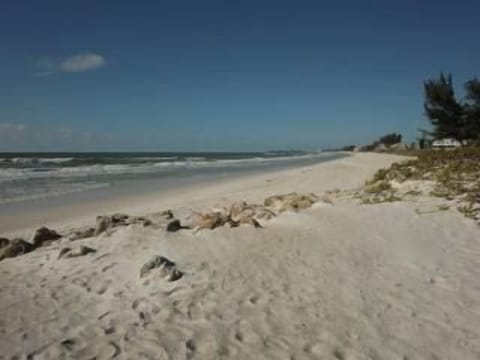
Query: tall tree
(472, 109)
(443, 109)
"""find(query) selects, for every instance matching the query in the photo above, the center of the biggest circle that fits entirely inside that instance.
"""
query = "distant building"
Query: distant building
(446, 143)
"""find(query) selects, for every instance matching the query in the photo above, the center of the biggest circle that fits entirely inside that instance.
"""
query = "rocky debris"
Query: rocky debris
(107, 222)
(174, 225)
(331, 195)
(249, 221)
(63, 251)
(12, 248)
(167, 214)
(140, 220)
(290, 202)
(80, 251)
(327, 199)
(15, 248)
(211, 220)
(43, 236)
(166, 267)
(81, 233)
(103, 224)
(238, 208)
(4, 242)
(241, 210)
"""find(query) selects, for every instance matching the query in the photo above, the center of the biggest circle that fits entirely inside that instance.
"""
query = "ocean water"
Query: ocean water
(26, 176)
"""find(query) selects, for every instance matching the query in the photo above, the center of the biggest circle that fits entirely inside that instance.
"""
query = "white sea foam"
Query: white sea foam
(10, 173)
(29, 177)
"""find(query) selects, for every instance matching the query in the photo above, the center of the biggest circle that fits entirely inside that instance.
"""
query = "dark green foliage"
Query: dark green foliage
(391, 139)
(442, 108)
(472, 109)
(387, 140)
(449, 117)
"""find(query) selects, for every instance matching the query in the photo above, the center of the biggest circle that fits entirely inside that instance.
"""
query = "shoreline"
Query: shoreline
(82, 207)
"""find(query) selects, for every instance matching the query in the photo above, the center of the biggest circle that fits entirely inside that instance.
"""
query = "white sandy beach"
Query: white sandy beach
(336, 281)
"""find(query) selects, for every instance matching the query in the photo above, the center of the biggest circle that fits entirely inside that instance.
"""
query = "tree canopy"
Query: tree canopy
(449, 117)
(472, 108)
(391, 139)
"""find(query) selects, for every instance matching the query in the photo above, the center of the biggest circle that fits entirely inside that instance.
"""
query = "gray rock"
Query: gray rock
(138, 220)
(167, 214)
(15, 248)
(103, 224)
(44, 235)
(174, 225)
(82, 233)
(107, 222)
(63, 251)
(120, 218)
(80, 251)
(166, 267)
(212, 220)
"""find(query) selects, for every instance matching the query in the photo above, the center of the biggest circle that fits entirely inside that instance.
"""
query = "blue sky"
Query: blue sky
(222, 75)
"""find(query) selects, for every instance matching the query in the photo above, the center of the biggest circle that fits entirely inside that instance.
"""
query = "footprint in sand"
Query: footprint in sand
(108, 350)
(136, 303)
(108, 267)
(239, 336)
(109, 330)
(191, 348)
(105, 314)
(68, 344)
(104, 287)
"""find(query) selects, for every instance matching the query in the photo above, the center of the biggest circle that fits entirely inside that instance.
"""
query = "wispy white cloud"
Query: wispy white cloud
(73, 64)
(11, 127)
(82, 62)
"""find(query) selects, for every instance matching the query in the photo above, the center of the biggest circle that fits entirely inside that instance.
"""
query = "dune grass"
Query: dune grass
(454, 173)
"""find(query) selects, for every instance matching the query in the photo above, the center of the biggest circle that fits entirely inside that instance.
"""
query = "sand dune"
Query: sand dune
(335, 281)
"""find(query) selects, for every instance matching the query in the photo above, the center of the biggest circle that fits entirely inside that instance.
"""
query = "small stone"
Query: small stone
(43, 235)
(81, 251)
(167, 214)
(167, 268)
(212, 220)
(174, 225)
(120, 218)
(82, 233)
(15, 248)
(64, 251)
(103, 224)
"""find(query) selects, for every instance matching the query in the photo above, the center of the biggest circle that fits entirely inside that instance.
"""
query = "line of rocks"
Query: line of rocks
(12, 248)
(243, 213)
(237, 214)
(45, 236)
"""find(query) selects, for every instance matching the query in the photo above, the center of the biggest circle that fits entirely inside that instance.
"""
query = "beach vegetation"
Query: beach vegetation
(385, 141)
(454, 175)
